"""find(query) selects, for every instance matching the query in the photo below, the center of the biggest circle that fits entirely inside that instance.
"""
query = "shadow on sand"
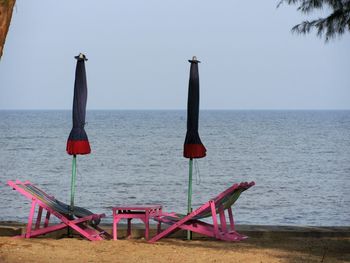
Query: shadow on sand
(294, 249)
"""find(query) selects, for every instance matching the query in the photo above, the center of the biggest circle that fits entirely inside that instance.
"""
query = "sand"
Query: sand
(174, 250)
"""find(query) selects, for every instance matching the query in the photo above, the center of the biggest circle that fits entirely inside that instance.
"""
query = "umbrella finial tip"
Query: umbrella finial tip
(81, 56)
(194, 60)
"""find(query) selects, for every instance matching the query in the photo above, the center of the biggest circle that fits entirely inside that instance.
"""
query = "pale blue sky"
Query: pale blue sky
(138, 52)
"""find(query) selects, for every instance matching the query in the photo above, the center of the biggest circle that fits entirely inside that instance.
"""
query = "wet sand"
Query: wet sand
(293, 249)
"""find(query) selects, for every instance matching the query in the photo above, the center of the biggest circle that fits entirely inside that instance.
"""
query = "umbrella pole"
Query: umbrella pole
(189, 202)
(72, 189)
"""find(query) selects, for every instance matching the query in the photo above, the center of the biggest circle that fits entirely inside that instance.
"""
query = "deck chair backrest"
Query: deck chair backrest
(52, 202)
(226, 198)
(43, 197)
(230, 196)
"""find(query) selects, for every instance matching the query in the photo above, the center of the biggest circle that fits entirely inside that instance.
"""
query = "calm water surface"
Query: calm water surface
(300, 161)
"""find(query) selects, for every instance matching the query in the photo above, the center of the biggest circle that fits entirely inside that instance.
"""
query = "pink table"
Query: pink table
(143, 213)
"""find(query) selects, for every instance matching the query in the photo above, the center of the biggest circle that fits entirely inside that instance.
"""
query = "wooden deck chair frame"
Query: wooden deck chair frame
(214, 208)
(83, 225)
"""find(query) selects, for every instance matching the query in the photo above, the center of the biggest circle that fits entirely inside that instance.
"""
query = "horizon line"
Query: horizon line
(184, 109)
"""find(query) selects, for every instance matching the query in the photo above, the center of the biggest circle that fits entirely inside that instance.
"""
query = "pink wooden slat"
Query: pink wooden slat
(46, 230)
(176, 225)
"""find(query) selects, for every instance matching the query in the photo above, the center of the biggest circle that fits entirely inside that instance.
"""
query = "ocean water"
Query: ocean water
(300, 161)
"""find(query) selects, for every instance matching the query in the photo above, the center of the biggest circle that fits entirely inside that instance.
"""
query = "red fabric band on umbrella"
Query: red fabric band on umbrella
(194, 151)
(78, 147)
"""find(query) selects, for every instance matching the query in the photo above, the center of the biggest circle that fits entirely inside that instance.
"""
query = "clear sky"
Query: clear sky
(138, 52)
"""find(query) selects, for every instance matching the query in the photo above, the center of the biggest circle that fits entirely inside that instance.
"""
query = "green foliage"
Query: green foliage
(336, 24)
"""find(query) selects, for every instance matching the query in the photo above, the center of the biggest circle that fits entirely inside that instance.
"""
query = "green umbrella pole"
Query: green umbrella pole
(72, 191)
(72, 187)
(189, 201)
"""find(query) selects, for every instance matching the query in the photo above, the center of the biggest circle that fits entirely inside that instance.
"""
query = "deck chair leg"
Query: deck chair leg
(215, 220)
(30, 219)
(38, 219)
(159, 227)
(47, 218)
(222, 219)
(232, 222)
(146, 225)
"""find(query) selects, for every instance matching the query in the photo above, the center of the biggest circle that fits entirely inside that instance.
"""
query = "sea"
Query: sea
(299, 160)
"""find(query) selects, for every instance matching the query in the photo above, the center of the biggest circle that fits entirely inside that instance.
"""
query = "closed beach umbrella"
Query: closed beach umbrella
(78, 142)
(193, 147)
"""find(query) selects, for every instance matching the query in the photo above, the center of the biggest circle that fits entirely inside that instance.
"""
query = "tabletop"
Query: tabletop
(137, 207)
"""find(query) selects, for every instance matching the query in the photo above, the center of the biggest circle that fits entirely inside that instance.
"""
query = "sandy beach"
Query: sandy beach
(221, 128)
(175, 250)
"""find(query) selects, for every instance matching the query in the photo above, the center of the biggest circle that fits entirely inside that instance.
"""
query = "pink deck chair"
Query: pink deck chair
(82, 221)
(212, 208)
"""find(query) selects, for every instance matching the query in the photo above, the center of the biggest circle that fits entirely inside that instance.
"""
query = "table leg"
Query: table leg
(129, 227)
(115, 228)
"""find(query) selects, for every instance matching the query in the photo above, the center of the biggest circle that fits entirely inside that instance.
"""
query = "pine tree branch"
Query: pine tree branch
(337, 23)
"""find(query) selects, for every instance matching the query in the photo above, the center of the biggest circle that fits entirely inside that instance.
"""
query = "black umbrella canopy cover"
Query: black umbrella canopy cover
(78, 142)
(193, 147)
